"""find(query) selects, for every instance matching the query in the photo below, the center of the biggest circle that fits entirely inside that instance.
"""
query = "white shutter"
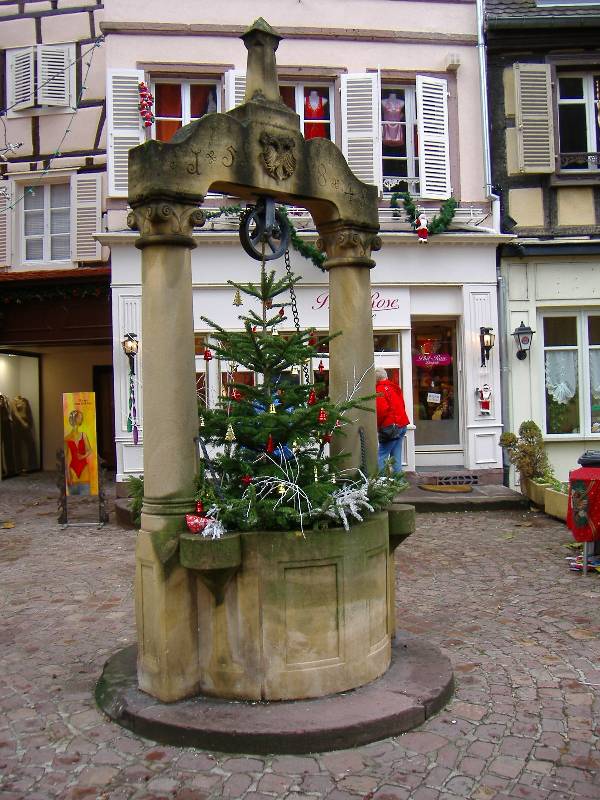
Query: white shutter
(235, 88)
(535, 132)
(6, 216)
(19, 78)
(124, 125)
(85, 216)
(56, 74)
(434, 149)
(361, 126)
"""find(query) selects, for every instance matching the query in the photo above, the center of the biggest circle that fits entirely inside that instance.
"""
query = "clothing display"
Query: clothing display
(18, 451)
(392, 112)
(314, 108)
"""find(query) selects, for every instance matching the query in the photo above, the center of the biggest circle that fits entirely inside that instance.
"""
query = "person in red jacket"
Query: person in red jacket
(391, 420)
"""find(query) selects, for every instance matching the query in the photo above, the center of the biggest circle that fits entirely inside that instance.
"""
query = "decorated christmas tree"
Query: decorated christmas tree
(266, 462)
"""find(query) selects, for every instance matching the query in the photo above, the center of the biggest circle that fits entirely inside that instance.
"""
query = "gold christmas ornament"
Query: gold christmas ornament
(281, 488)
(272, 409)
(237, 299)
(201, 421)
(230, 435)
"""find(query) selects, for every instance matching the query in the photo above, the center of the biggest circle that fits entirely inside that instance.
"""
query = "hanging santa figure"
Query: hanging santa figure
(484, 396)
(421, 228)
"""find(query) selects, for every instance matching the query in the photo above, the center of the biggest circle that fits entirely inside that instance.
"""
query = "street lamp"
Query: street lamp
(487, 337)
(523, 336)
(130, 346)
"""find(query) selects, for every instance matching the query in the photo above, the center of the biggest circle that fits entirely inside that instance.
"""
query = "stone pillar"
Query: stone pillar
(165, 598)
(351, 360)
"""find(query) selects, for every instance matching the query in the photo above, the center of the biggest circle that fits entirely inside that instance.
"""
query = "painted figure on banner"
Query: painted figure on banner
(81, 454)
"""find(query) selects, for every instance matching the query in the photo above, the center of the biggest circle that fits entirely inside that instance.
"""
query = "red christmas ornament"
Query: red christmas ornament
(312, 341)
(254, 329)
(236, 394)
(199, 507)
(207, 355)
(197, 522)
(326, 438)
(321, 366)
(312, 397)
(281, 312)
(270, 446)
(246, 479)
(322, 415)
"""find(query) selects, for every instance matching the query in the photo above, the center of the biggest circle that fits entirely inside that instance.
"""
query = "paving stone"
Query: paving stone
(523, 723)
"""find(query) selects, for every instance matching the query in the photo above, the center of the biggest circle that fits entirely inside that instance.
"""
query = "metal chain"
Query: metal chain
(294, 304)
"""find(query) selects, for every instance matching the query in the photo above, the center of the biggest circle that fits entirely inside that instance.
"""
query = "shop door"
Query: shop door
(435, 384)
(105, 414)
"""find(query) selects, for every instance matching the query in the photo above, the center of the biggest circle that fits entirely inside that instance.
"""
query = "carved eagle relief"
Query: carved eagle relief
(277, 155)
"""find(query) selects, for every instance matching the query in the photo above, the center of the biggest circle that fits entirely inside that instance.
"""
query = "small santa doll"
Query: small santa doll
(485, 399)
(421, 228)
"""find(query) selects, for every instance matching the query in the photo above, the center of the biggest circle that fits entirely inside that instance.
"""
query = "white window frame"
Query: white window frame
(410, 116)
(37, 106)
(46, 235)
(299, 89)
(583, 370)
(185, 84)
(590, 107)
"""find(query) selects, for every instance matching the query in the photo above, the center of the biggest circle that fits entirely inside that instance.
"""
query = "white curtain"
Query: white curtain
(595, 374)
(561, 375)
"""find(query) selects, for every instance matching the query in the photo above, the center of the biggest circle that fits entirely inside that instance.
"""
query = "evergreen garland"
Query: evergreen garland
(439, 224)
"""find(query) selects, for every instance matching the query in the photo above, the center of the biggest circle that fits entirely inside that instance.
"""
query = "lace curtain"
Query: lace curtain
(595, 374)
(561, 375)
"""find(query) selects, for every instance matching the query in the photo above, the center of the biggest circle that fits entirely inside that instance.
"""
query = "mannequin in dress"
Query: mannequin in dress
(392, 113)
(7, 444)
(314, 108)
(24, 433)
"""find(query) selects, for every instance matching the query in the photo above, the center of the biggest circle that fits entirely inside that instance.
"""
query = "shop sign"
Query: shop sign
(431, 360)
(81, 451)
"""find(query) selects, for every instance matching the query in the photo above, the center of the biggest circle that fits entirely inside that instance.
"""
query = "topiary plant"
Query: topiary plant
(527, 451)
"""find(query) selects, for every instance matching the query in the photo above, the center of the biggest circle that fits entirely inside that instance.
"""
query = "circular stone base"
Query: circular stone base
(418, 683)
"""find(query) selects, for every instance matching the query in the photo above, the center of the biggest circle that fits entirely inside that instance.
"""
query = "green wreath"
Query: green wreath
(439, 224)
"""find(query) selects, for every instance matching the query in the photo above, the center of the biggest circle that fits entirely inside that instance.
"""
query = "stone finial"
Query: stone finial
(261, 75)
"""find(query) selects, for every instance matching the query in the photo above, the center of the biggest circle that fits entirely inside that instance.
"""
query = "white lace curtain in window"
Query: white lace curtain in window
(595, 374)
(561, 375)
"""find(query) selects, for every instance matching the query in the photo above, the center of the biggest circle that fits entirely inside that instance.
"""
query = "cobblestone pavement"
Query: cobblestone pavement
(492, 589)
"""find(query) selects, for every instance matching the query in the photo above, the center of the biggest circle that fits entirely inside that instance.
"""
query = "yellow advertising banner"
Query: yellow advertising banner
(81, 449)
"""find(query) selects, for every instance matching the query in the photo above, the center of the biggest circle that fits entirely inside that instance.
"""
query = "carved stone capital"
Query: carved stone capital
(165, 222)
(347, 246)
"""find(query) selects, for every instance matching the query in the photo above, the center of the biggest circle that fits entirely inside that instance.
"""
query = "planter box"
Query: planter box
(536, 492)
(268, 615)
(556, 504)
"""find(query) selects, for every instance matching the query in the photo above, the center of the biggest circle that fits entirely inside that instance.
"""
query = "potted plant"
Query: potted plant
(556, 499)
(526, 451)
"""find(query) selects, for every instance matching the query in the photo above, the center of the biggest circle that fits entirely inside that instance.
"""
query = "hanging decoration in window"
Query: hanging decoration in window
(440, 223)
(146, 101)
(561, 375)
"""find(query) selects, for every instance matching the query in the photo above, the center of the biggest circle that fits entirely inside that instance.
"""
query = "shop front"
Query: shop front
(426, 334)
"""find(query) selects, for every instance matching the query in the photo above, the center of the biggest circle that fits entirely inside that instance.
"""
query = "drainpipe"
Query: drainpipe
(496, 224)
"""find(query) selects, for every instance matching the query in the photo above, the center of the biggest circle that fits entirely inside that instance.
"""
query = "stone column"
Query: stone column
(351, 370)
(165, 597)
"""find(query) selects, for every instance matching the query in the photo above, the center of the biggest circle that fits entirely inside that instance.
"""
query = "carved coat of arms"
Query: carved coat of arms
(277, 155)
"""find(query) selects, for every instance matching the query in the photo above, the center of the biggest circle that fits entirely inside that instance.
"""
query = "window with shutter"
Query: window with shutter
(434, 144)
(85, 202)
(235, 88)
(46, 222)
(5, 217)
(20, 92)
(535, 133)
(399, 157)
(361, 126)
(56, 74)
(124, 125)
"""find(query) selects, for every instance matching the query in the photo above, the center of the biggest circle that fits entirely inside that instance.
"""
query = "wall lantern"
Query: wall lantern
(487, 337)
(130, 346)
(523, 336)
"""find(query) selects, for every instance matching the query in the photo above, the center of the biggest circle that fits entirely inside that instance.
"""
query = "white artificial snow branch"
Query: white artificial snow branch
(349, 501)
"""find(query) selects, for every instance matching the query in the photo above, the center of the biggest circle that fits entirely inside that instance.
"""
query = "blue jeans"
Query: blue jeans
(392, 449)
